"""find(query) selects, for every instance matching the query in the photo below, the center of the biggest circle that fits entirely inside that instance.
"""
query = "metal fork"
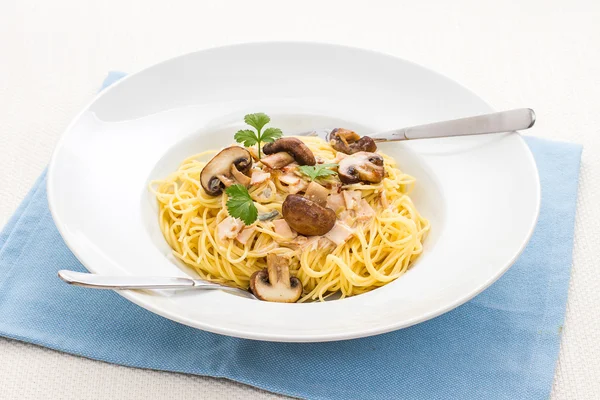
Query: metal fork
(505, 121)
(96, 281)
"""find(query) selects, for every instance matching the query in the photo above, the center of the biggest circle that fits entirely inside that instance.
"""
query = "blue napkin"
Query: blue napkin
(501, 345)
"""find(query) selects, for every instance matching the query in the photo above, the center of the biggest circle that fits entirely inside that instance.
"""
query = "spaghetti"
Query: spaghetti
(381, 245)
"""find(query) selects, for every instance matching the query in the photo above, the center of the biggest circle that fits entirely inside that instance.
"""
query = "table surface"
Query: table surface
(531, 53)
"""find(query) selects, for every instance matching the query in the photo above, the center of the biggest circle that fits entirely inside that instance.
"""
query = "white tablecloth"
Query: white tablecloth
(531, 53)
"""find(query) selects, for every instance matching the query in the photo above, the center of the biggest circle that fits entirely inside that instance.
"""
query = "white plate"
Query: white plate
(481, 194)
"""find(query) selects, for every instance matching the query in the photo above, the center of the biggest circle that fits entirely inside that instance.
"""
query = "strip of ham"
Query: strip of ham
(229, 228)
(259, 177)
(352, 198)
(283, 229)
(336, 202)
(290, 167)
(348, 217)
(289, 178)
(340, 233)
(365, 212)
(245, 234)
(298, 187)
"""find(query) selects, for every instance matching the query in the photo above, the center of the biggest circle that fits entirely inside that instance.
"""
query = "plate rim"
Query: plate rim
(140, 299)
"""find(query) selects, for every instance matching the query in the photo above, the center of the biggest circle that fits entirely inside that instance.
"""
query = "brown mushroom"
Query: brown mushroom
(361, 167)
(349, 142)
(295, 147)
(307, 217)
(239, 177)
(277, 160)
(225, 169)
(274, 283)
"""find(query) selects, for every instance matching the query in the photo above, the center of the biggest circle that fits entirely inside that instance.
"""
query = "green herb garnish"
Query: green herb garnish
(258, 121)
(318, 171)
(240, 204)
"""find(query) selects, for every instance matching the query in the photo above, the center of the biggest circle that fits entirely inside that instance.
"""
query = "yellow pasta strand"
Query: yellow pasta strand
(379, 251)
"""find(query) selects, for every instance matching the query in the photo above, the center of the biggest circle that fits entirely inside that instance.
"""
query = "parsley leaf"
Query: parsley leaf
(240, 204)
(270, 135)
(246, 136)
(258, 121)
(318, 171)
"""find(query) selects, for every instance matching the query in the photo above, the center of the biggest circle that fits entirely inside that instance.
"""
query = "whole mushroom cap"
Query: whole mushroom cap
(307, 217)
(295, 147)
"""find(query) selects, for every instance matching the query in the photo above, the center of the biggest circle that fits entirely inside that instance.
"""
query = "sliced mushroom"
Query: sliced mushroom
(350, 142)
(295, 147)
(225, 180)
(275, 283)
(218, 173)
(307, 217)
(278, 160)
(361, 167)
(239, 177)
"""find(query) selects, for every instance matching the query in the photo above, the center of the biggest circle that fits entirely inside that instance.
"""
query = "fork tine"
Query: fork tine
(322, 133)
(307, 133)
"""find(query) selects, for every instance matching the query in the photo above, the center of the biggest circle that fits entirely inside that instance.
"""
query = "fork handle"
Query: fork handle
(505, 121)
(96, 281)
(123, 282)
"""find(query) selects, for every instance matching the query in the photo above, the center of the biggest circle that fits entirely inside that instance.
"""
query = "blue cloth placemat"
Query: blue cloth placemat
(501, 345)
